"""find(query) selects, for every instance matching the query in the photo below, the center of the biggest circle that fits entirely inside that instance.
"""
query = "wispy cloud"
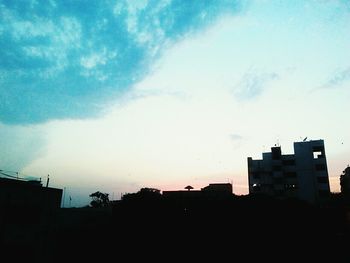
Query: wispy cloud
(235, 137)
(252, 84)
(338, 79)
(65, 59)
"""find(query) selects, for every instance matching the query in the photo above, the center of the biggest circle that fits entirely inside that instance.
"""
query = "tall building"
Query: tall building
(301, 175)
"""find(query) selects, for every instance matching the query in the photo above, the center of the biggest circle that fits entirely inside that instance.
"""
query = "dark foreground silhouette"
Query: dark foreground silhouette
(148, 226)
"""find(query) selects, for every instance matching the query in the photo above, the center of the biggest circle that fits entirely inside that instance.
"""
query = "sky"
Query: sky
(113, 96)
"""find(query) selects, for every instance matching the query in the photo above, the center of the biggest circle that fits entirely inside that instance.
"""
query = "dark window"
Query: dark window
(290, 186)
(320, 167)
(288, 162)
(290, 174)
(323, 193)
(318, 148)
(322, 180)
(256, 175)
(279, 192)
(278, 180)
(276, 168)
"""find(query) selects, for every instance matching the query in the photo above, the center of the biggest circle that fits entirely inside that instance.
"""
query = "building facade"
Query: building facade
(302, 175)
(28, 193)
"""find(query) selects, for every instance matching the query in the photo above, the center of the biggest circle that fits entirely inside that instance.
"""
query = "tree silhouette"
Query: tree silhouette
(345, 182)
(99, 199)
(189, 187)
(145, 193)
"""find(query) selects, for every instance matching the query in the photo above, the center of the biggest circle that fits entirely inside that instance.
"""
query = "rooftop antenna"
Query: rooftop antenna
(304, 139)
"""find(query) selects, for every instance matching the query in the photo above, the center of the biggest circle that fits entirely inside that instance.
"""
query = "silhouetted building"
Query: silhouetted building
(345, 182)
(26, 195)
(214, 191)
(301, 175)
(224, 188)
(182, 194)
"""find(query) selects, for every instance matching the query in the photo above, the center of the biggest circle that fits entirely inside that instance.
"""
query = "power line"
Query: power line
(15, 175)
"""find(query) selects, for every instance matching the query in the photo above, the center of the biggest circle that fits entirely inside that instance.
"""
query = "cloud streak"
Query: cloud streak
(252, 84)
(338, 79)
(67, 59)
(236, 137)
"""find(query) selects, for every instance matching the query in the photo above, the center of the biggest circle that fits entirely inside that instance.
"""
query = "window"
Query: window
(288, 162)
(320, 167)
(322, 180)
(278, 180)
(256, 175)
(276, 168)
(318, 152)
(318, 148)
(317, 155)
(290, 174)
(290, 186)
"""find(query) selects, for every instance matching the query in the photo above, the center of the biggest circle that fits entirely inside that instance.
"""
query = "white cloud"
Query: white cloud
(69, 33)
(93, 60)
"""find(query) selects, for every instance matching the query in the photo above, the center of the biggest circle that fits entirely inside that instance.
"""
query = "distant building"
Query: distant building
(213, 191)
(301, 175)
(224, 188)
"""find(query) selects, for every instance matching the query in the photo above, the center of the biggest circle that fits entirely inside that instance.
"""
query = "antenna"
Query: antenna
(304, 139)
(47, 181)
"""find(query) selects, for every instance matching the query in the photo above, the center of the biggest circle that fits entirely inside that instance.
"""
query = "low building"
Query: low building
(27, 199)
(301, 175)
(213, 191)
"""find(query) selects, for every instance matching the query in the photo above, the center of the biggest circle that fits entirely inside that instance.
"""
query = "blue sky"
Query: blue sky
(118, 95)
(68, 59)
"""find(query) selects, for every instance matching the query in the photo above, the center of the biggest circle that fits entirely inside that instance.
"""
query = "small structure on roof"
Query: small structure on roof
(189, 187)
